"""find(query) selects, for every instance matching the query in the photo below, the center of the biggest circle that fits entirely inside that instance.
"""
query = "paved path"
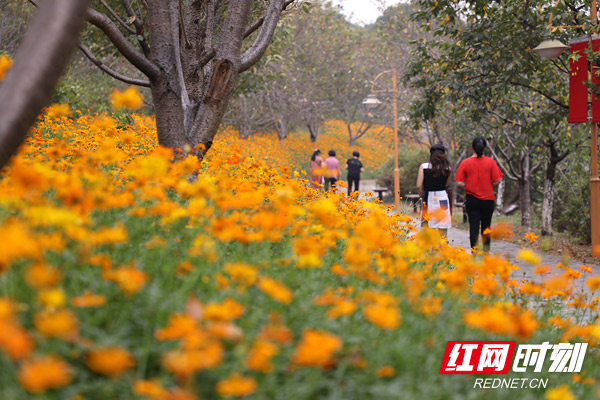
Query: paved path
(459, 237)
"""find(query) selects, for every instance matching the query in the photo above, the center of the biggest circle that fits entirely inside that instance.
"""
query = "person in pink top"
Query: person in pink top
(333, 170)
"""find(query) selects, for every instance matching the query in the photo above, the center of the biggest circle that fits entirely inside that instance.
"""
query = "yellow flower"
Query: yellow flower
(593, 283)
(236, 386)
(58, 111)
(5, 64)
(529, 256)
(275, 290)
(242, 274)
(48, 372)
(559, 393)
(130, 98)
(53, 297)
(110, 361)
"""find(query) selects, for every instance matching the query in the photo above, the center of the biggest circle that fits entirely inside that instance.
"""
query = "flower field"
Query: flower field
(375, 147)
(123, 278)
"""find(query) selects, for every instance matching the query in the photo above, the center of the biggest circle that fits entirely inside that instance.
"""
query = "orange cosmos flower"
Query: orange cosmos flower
(60, 323)
(276, 333)
(316, 348)
(593, 283)
(183, 363)
(228, 310)
(110, 361)
(242, 274)
(47, 372)
(40, 374)
(130, 279)
(259, 356)
(150, 388)
(236, 385)
(275, 290)
(344, 307)
(88, 299)
(130, 98)
(385, 371)
(14, 340)
(5, 64)
(542, 269)
(385, 317)
(531, 236)
(58, 111)
(41, 275)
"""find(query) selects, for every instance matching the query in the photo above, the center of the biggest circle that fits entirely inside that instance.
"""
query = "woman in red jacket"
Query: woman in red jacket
(478, 175)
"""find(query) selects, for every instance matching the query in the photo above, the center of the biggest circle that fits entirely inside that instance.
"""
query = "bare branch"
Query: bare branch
(501, 164)
(258, 48)
(258, 22)
(122, 44)
(139, 26)
(100, 64)
(116, 16)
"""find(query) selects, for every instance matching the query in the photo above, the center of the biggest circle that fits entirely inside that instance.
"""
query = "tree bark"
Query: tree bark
(500, 197)
(44, 53)
(525, 191)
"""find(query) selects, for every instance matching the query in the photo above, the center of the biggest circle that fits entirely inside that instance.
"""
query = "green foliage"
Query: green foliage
(409, 160)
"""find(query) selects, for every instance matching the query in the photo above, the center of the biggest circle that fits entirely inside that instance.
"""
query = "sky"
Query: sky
(363, 11)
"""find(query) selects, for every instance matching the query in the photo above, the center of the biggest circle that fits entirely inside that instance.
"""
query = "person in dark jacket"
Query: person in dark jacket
(354, 167)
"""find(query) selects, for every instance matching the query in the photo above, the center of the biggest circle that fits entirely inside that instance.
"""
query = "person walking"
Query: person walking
(479, 174)
(354, 168)
(316, 165)
(333, 170)
(432, 180)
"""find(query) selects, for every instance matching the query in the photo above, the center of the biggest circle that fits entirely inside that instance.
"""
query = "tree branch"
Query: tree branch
(553, 100)
(258, 22)
(113, 33)
(116, 16)
(100, 64)
(501, 164)
(139, 26)
(258, 48)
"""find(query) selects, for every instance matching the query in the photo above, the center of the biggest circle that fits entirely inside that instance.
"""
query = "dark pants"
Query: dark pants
(329, 182)
(480, 213)
(353, 180)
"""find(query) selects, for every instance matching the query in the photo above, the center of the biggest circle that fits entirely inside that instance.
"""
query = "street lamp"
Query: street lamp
(548, 49)
(372, 102)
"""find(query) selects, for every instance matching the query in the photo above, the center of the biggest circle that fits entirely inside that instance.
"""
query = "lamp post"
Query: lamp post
(373, 102)
(552, 49)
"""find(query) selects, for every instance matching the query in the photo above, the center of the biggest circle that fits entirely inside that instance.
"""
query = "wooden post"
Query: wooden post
(396, 169)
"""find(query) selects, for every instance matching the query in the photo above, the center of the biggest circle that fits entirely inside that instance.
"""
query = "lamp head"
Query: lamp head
(550, 48)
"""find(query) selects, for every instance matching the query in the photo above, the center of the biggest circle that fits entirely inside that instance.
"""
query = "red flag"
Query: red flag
(596, 84)
(578, 92)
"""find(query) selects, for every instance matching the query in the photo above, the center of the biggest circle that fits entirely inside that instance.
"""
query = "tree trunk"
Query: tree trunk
(525, 191)
(44, 53)
(282, 129)
(548, 202)
(313, 129)
(500, 197)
